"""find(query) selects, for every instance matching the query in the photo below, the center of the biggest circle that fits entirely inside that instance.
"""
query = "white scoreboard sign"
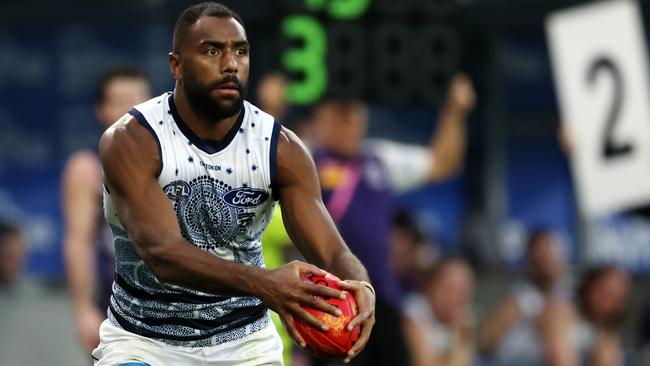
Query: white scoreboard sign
(600, 65)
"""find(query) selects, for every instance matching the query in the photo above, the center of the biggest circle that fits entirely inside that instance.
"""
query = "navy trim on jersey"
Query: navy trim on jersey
(235, 319)
(166, 297)
(273, 163)
(143, 121)
(208, 146)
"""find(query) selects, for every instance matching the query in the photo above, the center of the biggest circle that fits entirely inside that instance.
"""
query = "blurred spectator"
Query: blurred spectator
(603, 295)
(272, 94)
(88, 247)
(12, 255)
(359, 179)
(535, 324)
(439, 325)
(410, 252)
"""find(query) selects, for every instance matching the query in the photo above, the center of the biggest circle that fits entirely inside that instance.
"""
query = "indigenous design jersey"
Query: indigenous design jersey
(222, 194)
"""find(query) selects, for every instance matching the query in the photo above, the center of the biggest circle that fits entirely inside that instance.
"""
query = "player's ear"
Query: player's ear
(175, 66)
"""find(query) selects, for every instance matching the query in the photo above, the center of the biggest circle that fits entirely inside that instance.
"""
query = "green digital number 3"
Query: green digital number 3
(310, 60)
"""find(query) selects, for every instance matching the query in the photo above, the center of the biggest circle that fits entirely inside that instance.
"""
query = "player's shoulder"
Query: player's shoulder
(85, 159)
(126, 135)
(82, 167)
(288, 139)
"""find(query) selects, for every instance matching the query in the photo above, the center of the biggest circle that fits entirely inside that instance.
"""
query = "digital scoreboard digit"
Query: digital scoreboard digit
(381, 50)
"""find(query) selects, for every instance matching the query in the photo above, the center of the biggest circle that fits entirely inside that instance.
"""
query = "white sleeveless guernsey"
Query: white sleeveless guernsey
(222, 193)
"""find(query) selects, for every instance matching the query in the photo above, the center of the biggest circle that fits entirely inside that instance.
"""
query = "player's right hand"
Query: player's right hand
(88, 319)
(284, 292)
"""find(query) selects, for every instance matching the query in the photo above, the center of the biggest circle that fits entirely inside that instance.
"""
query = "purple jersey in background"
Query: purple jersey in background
(358, 194)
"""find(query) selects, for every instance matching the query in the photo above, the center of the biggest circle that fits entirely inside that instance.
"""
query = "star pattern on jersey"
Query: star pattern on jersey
(254, 167)
(245, 185)
(176, 172)
(252, 124)
(248, 151)
(190, 159)
(266, 139)
(160, 122)
(229, 171)
(189, 143)
(241, 130)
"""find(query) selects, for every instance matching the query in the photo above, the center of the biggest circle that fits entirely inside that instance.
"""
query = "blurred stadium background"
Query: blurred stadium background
(396, 55)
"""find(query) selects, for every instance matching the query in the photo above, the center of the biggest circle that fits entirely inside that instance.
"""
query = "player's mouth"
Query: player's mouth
(230, 88)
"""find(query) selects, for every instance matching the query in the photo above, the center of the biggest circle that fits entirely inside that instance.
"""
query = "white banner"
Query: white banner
(600, 65)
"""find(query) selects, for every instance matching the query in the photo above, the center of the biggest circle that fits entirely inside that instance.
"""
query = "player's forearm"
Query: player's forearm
(80, 270)
(183, 264)
(347, 266)
(448, 144)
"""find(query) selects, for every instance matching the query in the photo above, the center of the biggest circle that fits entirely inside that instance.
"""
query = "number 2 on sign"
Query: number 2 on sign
(610, 149)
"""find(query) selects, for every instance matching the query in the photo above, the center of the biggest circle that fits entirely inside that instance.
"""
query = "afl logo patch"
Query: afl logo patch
(245, 197)
(177, 190)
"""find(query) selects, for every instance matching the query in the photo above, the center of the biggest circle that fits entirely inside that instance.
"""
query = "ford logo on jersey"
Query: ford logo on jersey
(245, 197)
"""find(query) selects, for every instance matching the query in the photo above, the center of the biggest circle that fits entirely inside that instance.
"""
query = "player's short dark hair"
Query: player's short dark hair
(193, 13)
(116, 72)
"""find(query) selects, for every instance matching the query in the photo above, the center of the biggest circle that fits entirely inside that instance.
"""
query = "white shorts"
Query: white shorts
(119, 347)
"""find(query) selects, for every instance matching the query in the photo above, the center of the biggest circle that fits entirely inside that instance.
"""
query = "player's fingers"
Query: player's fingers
(350, 286)
(308, 318)
(323, 291)
(361, 342)
(303, 267)
(317, 303)
(359, 319)
(289, 325)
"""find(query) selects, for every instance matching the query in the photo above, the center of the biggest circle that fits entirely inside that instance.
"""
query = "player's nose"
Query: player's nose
(229, 63)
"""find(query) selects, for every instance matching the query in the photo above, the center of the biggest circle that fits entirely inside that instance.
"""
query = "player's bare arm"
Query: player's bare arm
(312, 230)
(130, 160)
(448, 143)
(80, 209)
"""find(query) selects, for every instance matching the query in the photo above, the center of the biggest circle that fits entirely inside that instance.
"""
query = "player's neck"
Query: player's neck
(203, 127)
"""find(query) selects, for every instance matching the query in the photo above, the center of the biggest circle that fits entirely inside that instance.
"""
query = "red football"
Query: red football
(337, 341)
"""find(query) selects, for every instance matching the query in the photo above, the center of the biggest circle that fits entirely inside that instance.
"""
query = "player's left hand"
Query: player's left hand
(366, 317)
(461, 96)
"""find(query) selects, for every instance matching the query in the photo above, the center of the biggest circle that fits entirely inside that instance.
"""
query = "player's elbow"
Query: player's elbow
(158, 256)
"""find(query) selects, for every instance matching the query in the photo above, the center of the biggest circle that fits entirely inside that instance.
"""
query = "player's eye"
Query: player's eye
(212, 51)
(242, 51)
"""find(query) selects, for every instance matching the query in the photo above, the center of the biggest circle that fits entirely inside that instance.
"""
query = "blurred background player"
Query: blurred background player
(88, 246)
(535, 324)
(603, 300)
(359, 179)
(272, 94)
(439, 324)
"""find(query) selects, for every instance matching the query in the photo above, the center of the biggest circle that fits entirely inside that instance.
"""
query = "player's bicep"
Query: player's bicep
(305, 217)
(129, 158)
